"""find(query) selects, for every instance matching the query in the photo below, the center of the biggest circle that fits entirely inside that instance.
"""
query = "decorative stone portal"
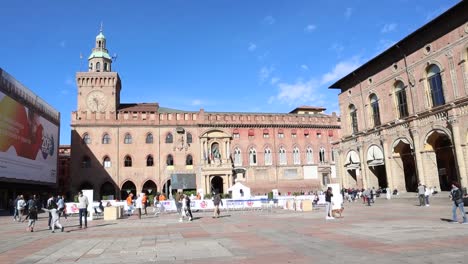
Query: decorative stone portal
(403, 157)
(376, 165)
(439, 148)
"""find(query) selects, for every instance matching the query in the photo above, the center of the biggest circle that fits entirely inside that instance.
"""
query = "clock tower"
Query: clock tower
(99, 87)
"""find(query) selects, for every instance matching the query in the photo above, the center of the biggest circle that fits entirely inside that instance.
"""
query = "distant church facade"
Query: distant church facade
(119, 148)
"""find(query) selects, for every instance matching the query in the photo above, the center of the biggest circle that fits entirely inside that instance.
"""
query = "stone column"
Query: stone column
(363, 167)
(459, 152)
(419, 160)
(388, 164)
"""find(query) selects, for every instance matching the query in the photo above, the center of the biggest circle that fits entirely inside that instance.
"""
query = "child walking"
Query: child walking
(55, 216)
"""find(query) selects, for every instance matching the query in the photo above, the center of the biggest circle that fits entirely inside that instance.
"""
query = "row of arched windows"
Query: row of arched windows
(128, 161)
(435, 96)
(128, 139)
(282, 156)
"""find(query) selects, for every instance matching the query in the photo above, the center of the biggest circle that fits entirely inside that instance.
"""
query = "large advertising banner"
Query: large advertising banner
(28, 143)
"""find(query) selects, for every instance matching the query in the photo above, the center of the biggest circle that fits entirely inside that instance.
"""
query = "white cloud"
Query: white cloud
(62, 44)
(307, 92)
(268, 20)
(274, 80)
(310, 28)
(196, 102)
(252, 46)
(265, 73)
(304, 67)
(348, 12)
(341, 69)
(296, 93)
(388, 28)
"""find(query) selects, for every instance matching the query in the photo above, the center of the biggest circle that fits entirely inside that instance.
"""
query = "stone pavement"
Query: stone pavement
(395, 231)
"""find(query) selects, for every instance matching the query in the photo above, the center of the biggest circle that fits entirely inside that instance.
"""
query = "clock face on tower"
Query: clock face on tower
(96, 101)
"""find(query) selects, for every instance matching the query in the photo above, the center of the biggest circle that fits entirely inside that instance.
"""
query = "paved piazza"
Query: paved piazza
(395, 231)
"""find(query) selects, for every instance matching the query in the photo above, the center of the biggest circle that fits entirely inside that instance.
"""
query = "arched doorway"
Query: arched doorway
(217, 184)
(442, 146)
(127, 188)
(86, 186)
(376, 165)
(408, 164)
(107, 191)
(149, 187)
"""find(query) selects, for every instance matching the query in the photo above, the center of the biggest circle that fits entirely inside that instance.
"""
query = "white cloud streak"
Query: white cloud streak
(307, 92)
(252, 46)
(310, 28)
(388, 28)
(265, 73)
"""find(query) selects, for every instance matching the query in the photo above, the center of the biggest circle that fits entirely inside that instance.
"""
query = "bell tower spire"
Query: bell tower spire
(99, 60)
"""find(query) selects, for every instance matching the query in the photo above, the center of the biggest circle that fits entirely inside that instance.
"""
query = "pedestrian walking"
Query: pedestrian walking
(144, 203)
(52, 209)
(328, 205)
(427, 193)
(15, 208)
(178, 202)
(61, 206)
(217, 201)
(21, 205)
(457, 197)
(48, 204)
(421, 194)
(83, 209)
(33, 206)
(139, 204)
(188, 211)
(129, 204)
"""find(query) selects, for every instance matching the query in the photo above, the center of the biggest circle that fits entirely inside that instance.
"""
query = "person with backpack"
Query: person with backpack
(457, 197)
(33, 208)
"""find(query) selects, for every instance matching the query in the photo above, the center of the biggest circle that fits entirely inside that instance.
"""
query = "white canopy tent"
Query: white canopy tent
(239, 191)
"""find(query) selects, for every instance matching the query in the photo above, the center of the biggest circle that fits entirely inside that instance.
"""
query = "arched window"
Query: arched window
(237, 157)
(282, 156)
(322, 155)
(106, 139)
(309, 156)
(149, 138)
(374, 103)
(86, 162)
(252, 156)
(189, 160)
(435, 85)
(169, 138)
(353, 118)
(106, 162)
(98, 66)
(127, 161)
(91, 66)
(169, 160)
(105, 67)
(128, 139)
(268, 158)
(400, 97)
(189, 138)
(149, 161)
(86, 139)
(296, 156)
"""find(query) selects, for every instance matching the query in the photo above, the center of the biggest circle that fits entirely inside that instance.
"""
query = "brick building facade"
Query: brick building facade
(120, 148)
(405, 112)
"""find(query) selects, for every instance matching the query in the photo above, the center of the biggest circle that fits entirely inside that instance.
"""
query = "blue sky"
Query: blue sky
(220, 55)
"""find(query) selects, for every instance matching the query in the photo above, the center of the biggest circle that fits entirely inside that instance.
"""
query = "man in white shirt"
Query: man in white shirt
(83, 209)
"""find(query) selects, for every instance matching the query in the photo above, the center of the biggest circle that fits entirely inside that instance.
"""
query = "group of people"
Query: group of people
(55, 207)
(424, 193)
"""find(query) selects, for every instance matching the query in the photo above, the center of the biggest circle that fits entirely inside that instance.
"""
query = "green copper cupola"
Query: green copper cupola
(99, 60)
